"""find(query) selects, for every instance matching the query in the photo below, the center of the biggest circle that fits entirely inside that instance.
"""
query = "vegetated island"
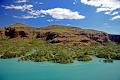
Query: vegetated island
(57, 43)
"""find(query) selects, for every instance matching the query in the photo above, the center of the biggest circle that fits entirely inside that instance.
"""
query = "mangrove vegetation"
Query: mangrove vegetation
(38, 50)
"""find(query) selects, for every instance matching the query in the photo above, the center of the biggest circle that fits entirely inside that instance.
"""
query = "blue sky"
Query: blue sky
(103, 15)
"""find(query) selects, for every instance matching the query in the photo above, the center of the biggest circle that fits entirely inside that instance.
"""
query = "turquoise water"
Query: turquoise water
(10, 69)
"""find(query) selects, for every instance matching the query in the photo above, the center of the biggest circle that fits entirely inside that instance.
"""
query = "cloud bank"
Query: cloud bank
(62, 13)
(109, 7)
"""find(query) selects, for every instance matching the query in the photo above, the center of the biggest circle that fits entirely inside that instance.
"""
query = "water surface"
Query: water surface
(11, 69)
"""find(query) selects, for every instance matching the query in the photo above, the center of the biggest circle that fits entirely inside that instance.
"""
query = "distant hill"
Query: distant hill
(60, 34)
(20, 26)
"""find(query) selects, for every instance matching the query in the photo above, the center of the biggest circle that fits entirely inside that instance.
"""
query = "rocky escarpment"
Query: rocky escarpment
(99, 36)
(114, 38)
(59, 34)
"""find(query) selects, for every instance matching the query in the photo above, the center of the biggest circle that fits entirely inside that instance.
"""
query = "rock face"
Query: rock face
(114, 38)
(51, 35)
(22, 33)
(99, 37)
(47, 35)
(12, 33)
(41, 35)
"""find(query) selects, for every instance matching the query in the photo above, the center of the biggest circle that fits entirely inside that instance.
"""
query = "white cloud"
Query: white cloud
(109, 7)
(18, 7)
(42, 16)
(105, 23)
(26, 17)
(108, 13)
(40, 3)
(103, 9)
(116, 17)
(57, 13)
(35, 12)
(29, 16)
(114, 13)
(21, 1)
(74, 2)
(68, 24)
(50, 20)
(62, 13)
(103, 5)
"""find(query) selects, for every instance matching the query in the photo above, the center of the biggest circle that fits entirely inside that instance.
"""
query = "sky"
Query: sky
(102, 15)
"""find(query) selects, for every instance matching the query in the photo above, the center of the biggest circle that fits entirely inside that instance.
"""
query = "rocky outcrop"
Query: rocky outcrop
(12, 33)
(22, 33)
(40, 35)
(47, 35)
(51, 35)
(99, 37)
(114, 38)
